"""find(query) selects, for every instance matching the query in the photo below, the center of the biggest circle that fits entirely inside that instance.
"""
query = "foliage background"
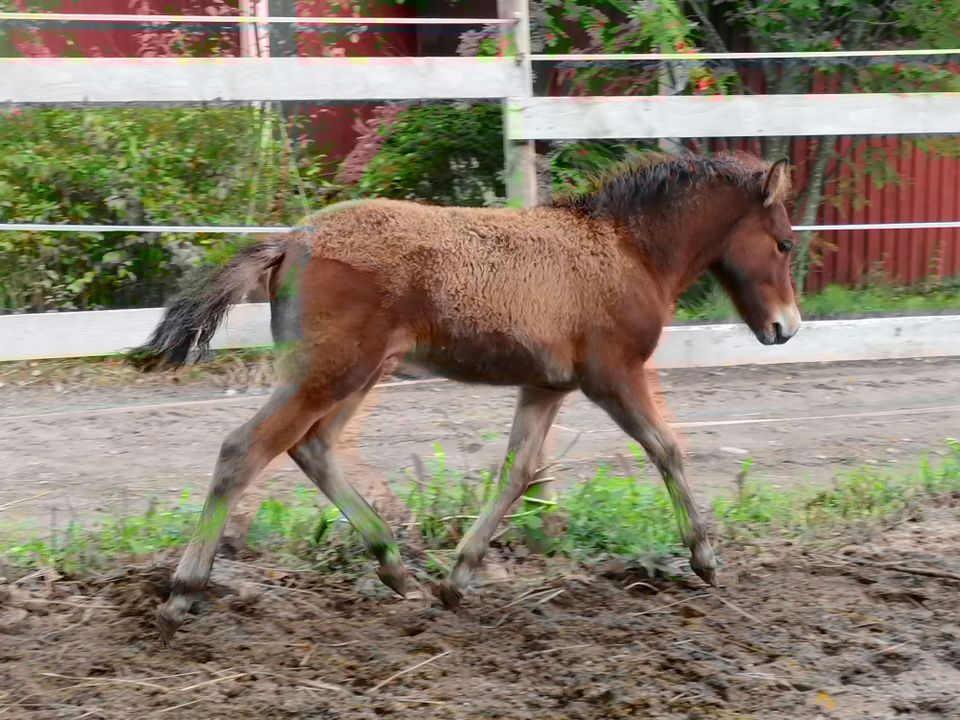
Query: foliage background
(239, 166)
(134, 166)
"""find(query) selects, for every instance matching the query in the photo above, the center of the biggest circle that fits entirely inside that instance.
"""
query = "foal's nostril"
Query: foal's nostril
(778, 330)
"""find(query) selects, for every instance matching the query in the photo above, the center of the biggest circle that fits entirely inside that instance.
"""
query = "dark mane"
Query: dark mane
(658, 183)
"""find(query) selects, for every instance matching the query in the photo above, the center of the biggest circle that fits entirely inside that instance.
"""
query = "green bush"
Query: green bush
(452, 154)
(132, 166)
(616, 514)
(449, 154)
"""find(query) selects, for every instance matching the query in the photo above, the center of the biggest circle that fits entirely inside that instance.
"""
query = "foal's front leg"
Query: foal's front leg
(536, 410)
(628, 401)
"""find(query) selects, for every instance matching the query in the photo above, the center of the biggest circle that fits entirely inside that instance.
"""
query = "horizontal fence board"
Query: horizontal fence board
(597, 118)
(194, 80)
(105, 332)
(817, 341)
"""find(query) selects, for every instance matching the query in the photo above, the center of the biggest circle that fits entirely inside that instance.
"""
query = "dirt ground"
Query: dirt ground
(851, 629)
(80, 441)
(847, 630)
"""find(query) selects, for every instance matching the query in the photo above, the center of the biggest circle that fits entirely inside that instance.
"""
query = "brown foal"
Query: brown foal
(551, 299)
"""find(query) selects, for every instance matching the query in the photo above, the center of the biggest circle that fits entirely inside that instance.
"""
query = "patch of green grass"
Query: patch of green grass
(883, 297)
(617, 515)
(445, 501)
(291, 528)
(78, 549)
(866, 494)
(611, 514)
(295, 526)
(836, 301)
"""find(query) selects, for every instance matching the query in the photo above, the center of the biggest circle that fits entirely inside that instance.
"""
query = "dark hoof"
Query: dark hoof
(228, 550)
(394, 578)
(167, 627)
(707, 574)
(172, 613)
(449, 594)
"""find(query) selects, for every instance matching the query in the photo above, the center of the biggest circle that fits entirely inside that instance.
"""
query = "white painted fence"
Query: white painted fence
(528, 118)
(199, 80)
(600, 118)
(105, 332)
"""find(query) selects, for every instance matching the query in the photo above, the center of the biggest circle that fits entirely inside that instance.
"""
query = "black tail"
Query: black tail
(196, 313)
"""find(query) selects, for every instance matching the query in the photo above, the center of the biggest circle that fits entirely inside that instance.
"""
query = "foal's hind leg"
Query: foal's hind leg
(287, 415)
(315, 456)
(536, 410)
(628, 400)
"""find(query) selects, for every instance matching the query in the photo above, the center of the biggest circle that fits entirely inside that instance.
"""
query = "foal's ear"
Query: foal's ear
(777, 184)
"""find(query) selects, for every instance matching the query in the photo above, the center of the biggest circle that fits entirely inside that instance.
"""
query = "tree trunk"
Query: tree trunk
(713, 41)
(810, 202)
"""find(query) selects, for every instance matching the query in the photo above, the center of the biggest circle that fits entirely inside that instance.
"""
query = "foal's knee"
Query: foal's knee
(231, 460)
(313, 457)
(665, 453)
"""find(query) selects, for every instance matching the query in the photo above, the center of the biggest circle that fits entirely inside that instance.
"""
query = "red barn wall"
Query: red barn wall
(332, 126)
(113, 39)
(929, 189)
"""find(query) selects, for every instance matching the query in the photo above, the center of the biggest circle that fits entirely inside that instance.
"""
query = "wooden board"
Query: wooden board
(104, 332)
(574, 118)
(195, 80)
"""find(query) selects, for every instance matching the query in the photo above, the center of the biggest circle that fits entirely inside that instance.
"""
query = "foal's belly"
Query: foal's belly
(493, 359)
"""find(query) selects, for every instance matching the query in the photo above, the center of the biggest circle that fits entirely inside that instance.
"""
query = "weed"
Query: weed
(865, 494)
(611, 514)
(616, 514)
(445, 501)
(296, 526)
(80, 549)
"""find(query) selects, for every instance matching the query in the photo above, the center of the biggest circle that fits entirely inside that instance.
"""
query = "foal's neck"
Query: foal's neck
(693, 238)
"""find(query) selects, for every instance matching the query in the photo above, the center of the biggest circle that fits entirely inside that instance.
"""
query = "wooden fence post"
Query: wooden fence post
(520, 156)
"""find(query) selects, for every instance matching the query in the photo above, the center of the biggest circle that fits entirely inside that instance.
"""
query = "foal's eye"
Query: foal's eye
(785, 246)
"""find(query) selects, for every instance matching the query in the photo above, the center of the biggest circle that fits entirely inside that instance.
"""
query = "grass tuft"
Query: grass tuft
(81, 549)
(866, 494)
(611, 514)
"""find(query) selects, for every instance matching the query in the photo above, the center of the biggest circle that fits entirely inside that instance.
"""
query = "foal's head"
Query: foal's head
(726, 212)
(755, 265)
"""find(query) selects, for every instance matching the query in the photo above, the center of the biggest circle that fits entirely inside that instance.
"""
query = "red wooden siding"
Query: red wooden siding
(116, 40)
(928, 190)
(331, 126)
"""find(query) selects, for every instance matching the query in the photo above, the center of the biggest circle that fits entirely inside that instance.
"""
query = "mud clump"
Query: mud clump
(805, 635)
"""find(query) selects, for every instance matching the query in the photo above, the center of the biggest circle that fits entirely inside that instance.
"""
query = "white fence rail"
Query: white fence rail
(527, 118)
(597, 118)
(207, 80)
(106, 332)
(110, 18)
(271, 229)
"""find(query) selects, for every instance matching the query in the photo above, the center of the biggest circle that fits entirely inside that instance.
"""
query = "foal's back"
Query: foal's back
(485, 295)
(492, 270)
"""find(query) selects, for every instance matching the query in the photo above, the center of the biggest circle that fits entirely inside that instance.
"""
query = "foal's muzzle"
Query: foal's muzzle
(780, 337)
(783, 327)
